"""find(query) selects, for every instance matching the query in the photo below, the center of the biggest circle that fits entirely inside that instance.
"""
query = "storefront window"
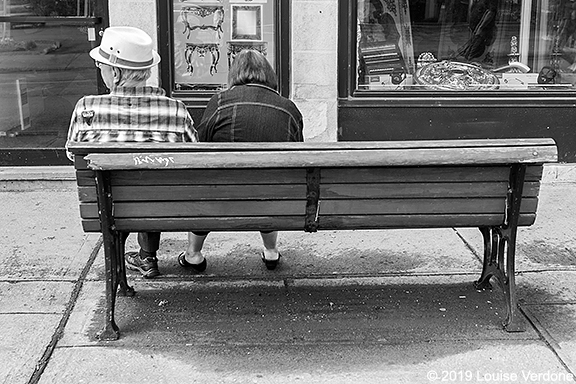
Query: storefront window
(208, 35)
(464, 45)
(44, 70)
(205, 36)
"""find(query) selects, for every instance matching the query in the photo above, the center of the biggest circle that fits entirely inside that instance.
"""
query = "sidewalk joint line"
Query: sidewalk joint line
(57, 335)
(36, 280)
(469, 246)
(548, 339)
(31, 313)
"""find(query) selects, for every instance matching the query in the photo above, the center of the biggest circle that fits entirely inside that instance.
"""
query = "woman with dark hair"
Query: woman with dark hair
(252, 67)
(250, 110)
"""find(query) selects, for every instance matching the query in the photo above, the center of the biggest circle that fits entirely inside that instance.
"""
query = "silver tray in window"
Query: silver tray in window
(455, 76)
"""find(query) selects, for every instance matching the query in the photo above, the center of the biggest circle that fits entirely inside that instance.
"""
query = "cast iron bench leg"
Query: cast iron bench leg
(111, 240)
(490, 266)
(500, 251)
(124, 288)
(514, 321)
(499, 262)
(110, 331)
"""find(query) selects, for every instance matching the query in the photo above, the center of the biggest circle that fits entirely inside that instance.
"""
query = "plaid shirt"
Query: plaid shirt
(131, 114)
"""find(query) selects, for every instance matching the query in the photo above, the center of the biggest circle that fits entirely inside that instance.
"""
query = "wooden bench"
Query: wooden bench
(489, 184)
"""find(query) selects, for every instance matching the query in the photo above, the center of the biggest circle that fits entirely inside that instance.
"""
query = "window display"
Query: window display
(209, 33)
(466, 45)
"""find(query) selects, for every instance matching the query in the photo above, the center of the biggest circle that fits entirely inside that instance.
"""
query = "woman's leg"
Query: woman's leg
(195, 244)
(270, 240)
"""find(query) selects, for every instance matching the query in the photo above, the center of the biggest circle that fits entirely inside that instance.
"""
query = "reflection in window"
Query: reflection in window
(44, 70)
(466, 45)
(209, 33)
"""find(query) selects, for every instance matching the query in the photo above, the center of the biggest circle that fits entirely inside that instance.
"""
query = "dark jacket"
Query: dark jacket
(250, 113)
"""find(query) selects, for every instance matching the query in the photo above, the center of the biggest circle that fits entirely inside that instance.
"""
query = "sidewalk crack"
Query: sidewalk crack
(57, 335)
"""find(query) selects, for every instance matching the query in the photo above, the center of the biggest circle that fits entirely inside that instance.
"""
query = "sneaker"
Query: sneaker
(148, 267)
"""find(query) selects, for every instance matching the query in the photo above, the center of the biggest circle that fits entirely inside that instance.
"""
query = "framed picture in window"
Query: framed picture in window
(246, 22)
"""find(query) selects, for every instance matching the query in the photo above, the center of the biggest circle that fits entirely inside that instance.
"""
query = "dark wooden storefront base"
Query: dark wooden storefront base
(446, 118)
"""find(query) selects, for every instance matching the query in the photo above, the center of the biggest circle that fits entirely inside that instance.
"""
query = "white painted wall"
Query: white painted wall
(136, 13)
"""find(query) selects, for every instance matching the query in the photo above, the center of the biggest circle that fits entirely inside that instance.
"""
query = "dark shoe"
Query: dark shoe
(271, 264)
(147, 267)
(200, 267)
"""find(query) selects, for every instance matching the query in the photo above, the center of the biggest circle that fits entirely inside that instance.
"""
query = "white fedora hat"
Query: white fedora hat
(126, 47)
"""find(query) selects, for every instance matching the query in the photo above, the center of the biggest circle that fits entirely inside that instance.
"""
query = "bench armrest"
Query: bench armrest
(340, 154)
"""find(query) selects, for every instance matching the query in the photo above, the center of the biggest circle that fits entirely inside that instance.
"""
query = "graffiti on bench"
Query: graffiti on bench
(141, 160)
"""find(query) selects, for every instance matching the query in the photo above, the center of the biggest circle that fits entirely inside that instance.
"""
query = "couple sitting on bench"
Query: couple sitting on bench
(250, 110)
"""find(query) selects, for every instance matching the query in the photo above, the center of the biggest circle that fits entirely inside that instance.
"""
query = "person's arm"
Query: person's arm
(73, 129)
(190, 132)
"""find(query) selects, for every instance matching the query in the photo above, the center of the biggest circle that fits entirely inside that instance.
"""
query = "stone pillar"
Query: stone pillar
(140, 14)
(314, 66)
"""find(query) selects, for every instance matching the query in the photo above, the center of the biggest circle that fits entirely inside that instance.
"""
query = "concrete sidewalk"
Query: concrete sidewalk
(367, 306)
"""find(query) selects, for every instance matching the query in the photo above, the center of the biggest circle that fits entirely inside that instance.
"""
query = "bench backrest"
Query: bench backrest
(344, 185)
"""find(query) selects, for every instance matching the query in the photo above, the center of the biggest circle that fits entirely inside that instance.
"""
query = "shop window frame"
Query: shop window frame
(197, 99)
(349, 95)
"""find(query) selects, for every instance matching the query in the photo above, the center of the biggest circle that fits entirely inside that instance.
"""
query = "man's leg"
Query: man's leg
(149, 243)
(145, 259)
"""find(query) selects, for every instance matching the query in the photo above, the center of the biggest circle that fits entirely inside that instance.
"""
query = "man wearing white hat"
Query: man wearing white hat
(132, 112)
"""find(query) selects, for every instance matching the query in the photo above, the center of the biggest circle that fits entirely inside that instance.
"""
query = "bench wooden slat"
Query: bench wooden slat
(426, 174)
(198, 177)
(295, 176)
(292, 191)
(419, 206)
(286, 223)
(296, 207)
(421, 190)
(328, 158)
(84, 177)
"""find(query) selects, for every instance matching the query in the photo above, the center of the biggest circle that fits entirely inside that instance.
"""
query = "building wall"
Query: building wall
(136, 13)
(314, 57)
(314, 66)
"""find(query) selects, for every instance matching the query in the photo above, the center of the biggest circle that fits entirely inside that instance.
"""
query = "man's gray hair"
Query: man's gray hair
(134, 74)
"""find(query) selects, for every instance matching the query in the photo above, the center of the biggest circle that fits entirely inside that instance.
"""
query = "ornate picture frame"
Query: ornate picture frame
(246, 22)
